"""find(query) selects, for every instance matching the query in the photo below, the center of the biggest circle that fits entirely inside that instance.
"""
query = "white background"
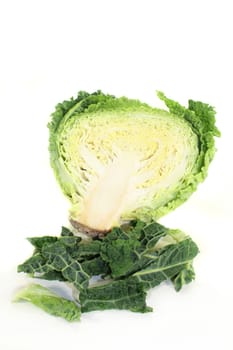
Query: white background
(49, 51)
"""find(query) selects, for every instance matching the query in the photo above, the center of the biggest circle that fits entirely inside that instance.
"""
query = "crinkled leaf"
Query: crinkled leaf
(121, 256)
(74, 273)
(38, 242)
(185, 276)
(71, 242)
(35, 264)
(51, 276)
(66, 232)
(125, 250)
(96, 266)
(87, 250)
(170, 261)
(59, 259)
(128, 295)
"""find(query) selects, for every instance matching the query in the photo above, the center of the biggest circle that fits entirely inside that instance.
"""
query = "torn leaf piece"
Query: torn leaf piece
(121, 295)
(49, 302)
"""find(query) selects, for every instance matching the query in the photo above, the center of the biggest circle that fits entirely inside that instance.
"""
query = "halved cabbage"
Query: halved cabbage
(118, 159)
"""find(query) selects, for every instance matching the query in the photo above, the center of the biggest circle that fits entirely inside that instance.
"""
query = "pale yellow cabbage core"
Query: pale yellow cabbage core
(125, 162)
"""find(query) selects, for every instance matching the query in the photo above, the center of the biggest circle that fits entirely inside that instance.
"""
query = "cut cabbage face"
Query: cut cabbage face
(120, 159)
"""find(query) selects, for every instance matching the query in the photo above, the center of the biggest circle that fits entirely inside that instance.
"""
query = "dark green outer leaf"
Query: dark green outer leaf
(74, 273)
(55, 260)
(38, 242)
(121, 255)
(35, 264)
(59, 259)
(170, 262)
(51, 276)
(66, 232)
(151, 234)
(128, 295)
(125, 251)
(87, 250)
(95, 267)
(185, 276)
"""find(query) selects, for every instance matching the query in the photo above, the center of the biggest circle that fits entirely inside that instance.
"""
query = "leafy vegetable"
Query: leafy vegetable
(50, 302)
(170, 261)
(122, 294)
(124, 264)
(123, 165)
(56, 257)
(118, 159)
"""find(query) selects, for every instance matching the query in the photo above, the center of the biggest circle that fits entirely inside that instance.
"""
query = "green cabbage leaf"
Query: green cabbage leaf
(49, 301)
